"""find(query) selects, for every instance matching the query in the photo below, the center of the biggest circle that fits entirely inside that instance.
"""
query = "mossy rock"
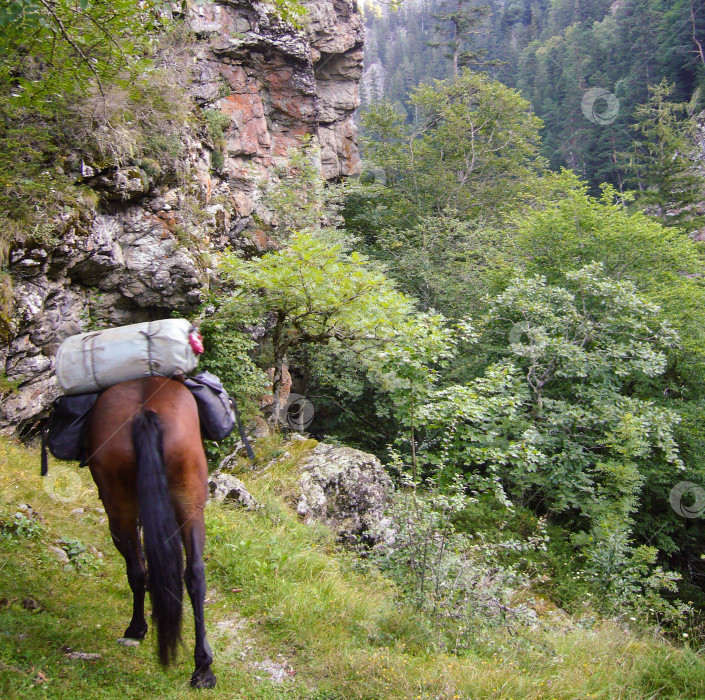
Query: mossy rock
(151, 167)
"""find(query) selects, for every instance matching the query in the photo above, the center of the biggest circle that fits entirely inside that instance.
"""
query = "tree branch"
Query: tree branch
(64, 32)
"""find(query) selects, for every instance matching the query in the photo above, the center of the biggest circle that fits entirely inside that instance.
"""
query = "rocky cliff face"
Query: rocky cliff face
(141, 253)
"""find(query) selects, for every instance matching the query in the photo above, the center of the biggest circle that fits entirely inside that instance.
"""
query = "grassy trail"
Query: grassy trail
(288, 614)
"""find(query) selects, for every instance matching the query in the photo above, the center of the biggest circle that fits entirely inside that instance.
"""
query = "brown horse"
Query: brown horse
(146, 457)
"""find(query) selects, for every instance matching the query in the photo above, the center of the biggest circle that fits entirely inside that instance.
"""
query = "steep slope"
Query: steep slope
(288, 614)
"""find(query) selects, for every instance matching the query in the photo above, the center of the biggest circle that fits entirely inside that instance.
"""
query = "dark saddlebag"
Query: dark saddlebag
(68, 421)
(65, 434)
(215, 409)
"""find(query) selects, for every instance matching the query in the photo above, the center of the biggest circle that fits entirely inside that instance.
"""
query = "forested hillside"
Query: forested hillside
(553, 52)
(534, 170)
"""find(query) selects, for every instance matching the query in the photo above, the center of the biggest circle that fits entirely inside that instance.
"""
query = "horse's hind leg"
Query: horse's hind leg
(126, 539)
(137, 578)
(194, 537)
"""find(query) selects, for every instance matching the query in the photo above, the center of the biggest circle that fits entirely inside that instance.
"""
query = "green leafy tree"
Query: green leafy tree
(442, 261)
(315, 293)
(555, 425)
(55, 48)
(554, 52)
(410, 365)
(228, 354)
(471, 153)
(54, 52)
(578, 349)
(567, 228)
(449, 182)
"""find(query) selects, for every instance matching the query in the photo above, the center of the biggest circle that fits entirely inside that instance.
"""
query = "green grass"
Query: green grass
(278, 591)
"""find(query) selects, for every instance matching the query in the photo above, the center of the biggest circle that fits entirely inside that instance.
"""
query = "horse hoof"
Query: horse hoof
(203, 678)
(135, 632)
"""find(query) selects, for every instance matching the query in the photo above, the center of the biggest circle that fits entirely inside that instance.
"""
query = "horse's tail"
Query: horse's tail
(162, 539)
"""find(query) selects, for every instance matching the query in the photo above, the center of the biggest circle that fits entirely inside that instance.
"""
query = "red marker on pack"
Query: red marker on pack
(195, 340)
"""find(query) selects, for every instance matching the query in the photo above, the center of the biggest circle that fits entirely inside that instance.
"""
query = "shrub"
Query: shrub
(464, 581)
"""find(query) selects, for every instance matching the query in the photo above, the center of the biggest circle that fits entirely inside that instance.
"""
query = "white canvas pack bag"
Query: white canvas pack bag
(91, 362)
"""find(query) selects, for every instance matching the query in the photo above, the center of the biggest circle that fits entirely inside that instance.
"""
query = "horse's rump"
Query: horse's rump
(145, 453)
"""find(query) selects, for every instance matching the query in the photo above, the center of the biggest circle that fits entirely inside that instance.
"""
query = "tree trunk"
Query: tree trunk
(456, 44)
(277, 389)
(280, 348)
(700, 50)
(413, 438)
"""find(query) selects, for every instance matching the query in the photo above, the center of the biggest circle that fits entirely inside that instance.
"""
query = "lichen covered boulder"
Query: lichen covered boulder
(225, 487)
(347, 490)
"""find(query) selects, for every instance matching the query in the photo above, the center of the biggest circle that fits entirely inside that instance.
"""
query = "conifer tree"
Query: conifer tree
(456, 22)
(661, 159)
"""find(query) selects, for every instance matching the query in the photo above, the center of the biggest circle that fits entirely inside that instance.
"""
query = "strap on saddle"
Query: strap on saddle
(45, 455)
